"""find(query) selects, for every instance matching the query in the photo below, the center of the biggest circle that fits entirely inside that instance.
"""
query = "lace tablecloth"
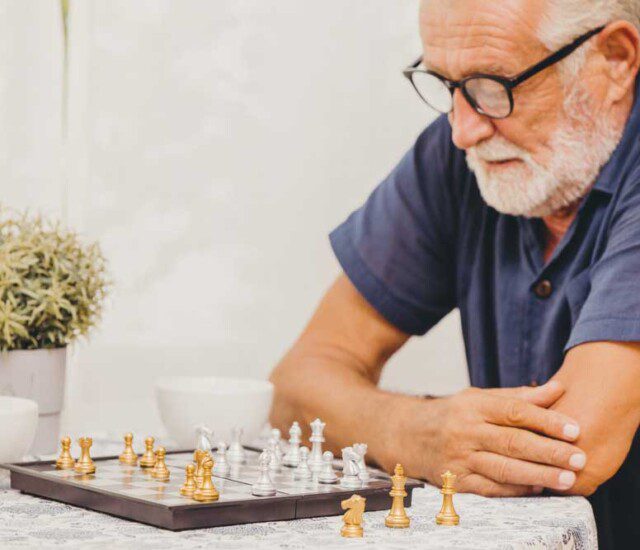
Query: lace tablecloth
(531, 523)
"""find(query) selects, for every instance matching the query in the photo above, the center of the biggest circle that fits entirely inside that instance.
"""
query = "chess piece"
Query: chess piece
(65, 460)
(128, 456)
(292, 456)
(85, 465)
(361, 450)
(302, 471)
(204, 438)
(397, 517)
(221, 466)
(352, 518)
(198, 457)
(264, 487)
(316, 439)
(189, 486)
(350, 470)
(160, 470)
(448, 515)
(148, 458)
(207, 491)
(327, 474)
(236, 454)
(275, 465)
(276, 435)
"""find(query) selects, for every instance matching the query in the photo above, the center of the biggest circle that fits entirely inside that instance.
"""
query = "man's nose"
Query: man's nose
(467, 125)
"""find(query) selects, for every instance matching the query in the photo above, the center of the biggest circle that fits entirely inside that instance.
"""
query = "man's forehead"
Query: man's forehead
(460, 37)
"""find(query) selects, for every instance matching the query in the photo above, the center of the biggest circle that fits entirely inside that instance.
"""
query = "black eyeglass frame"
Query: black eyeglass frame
(509, 83)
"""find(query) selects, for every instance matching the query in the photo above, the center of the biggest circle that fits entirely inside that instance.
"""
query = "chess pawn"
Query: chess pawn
(352, 519)
(448, 515)
(207, 491)
(128, 456)
(302, 471)
(189, 486)
(327, 474)
(361, 450)
(148, 458)
(397, 517)
(221, 466)
(275, 465)
(65, 460)
(236, 454)
(85, 465)
(316, 439)
(292, 456)
(264, 487)
(276, 435)
(160, 470)
(350, 470)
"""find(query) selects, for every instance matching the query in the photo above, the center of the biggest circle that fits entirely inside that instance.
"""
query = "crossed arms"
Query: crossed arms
(570, 435)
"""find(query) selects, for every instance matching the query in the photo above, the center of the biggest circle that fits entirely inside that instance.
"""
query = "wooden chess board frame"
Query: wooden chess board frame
(35, 478)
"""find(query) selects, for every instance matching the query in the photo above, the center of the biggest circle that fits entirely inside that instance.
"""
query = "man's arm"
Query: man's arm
(332, 372)
(603, 395)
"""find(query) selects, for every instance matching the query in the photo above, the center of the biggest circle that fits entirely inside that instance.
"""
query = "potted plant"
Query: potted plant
(52, 288)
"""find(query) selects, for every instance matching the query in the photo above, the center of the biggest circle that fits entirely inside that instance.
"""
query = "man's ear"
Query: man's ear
(619, 44)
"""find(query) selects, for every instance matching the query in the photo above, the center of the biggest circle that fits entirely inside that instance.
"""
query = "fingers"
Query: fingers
(526, 445)
(521, 414)
(481, 485)
(542, 396)
(511, 471)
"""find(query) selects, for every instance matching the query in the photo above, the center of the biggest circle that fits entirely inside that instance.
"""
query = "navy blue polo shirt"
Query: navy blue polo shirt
(425, 243)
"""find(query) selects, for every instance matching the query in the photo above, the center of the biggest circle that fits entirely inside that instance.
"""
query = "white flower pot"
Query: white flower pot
(37, 374)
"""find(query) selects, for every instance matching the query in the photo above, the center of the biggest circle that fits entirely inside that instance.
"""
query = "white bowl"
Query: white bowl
(18, 423)
(219, 403)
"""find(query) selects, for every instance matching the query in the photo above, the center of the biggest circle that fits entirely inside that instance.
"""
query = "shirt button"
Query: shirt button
(543, 289)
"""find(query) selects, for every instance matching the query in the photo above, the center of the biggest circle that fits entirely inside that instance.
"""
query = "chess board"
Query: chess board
(130, 492)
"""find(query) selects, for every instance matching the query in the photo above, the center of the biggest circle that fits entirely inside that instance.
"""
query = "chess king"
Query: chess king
(519, 206)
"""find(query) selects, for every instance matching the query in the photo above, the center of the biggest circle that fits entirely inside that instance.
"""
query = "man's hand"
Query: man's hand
(499, 442)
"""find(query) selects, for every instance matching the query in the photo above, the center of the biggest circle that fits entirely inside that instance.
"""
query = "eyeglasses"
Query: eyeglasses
(488, 94)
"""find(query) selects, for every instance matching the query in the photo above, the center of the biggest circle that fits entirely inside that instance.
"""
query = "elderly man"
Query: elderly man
(521, 208)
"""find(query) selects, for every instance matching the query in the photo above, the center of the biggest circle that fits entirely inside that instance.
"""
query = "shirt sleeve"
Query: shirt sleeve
(612, 309)
(398, 249)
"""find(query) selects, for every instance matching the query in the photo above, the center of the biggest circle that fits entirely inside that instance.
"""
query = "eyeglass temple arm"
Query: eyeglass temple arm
(554, 58)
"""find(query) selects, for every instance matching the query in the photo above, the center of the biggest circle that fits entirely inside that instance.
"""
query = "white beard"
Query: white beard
(581, 145)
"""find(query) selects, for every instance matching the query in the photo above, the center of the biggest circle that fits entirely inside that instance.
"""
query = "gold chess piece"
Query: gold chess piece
(199, 457)
(128, 456)
(160, 470)
(397, 517)
(85, 465)
(352, 519)
(207, 491)
(448, 515)
(148, 458)
(65, 460)
(189, 486)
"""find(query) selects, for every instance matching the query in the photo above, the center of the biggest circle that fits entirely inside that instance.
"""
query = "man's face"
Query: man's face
(548, 152)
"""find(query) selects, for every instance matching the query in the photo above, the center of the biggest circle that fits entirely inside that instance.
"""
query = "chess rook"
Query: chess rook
(65, 461)
(264, 487)
(327, 474)
(397, 518)
(316, 439)
(128, 456)
(292, 456)
(148, 458)
(85, 465)
(302, 471)
(236, 454)
(361, 449)
(447, 514)
(221, 466)
(189, 486)
(207, 491)
(160, 470)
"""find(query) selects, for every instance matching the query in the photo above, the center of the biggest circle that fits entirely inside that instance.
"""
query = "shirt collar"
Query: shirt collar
(609, 176)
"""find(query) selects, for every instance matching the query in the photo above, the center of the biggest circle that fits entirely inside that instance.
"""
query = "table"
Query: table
(540, 522)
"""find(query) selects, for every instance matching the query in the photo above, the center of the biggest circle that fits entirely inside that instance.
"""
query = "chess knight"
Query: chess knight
(352, 519)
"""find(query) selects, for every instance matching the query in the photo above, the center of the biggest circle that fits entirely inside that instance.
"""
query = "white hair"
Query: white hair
(565, 20)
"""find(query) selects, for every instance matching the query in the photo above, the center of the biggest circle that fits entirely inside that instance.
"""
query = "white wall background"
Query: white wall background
(212, 147)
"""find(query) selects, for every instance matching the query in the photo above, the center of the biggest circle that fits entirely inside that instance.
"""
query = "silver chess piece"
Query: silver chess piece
(316, 439)
(350, 470)
(276, 435)
(275, 465)
(204, 438)
(292, 456)
(264, 487)
(361, 449)
(327, 474)
(221, 464)
(236, 454)
(302, 471)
